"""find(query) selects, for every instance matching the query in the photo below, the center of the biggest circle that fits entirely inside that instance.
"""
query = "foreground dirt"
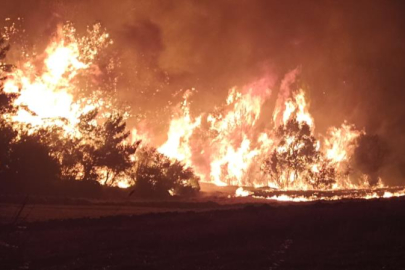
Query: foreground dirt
(337, 235)
(44, 212)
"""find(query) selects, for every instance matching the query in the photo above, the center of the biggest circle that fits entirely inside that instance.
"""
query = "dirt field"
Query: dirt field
(45, 212)
(322, 235)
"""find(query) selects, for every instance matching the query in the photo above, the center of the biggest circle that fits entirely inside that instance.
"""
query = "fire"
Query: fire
(47, 90)
(240, 192)
(235, 147)
(50, 93)
(181, 128)
(231, 149)
(297, 105)
(238, 144)
(339, 144)
(310, 196)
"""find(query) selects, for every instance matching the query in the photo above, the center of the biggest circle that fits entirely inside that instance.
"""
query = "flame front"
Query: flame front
(230, 146)
(237, 144)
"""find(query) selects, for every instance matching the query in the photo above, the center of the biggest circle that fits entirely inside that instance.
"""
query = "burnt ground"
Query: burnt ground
(321, 235)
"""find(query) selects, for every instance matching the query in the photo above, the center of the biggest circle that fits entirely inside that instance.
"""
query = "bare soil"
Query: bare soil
(207, 235)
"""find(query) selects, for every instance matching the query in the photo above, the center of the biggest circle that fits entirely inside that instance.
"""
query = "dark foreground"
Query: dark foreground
(337, 235)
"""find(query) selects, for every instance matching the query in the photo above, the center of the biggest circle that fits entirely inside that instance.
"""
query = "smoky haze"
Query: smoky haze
(351, 55)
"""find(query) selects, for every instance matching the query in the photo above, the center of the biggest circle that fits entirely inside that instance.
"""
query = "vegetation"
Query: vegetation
(295, 154)
(157, 175)
(48, 161)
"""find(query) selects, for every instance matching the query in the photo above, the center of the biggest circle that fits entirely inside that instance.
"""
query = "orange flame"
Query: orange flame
(181, 128)
(235, 147)
(235, 141)
(46, 94)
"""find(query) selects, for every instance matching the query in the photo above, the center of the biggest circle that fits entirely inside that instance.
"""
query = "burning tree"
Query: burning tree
(297, 156)
(50, 132)
(101, 152)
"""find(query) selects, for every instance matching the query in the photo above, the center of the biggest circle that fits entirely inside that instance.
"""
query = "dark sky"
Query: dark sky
(351, 53)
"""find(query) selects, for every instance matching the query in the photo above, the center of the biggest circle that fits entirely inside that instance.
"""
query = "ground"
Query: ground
(205, 235)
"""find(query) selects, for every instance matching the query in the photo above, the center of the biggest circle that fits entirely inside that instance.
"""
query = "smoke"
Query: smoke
(351, 55)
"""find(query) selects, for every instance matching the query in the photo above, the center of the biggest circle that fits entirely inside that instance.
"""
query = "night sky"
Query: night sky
(351, 54)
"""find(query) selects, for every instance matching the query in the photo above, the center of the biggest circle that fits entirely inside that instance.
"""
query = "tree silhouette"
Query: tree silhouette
(86, 146)
(158, 176)
(37, 160)
(113, 153)
(101, 152)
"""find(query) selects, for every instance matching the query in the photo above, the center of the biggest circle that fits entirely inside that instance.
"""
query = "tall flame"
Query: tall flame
(47, 89)
(235, 143)
(181, 128)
